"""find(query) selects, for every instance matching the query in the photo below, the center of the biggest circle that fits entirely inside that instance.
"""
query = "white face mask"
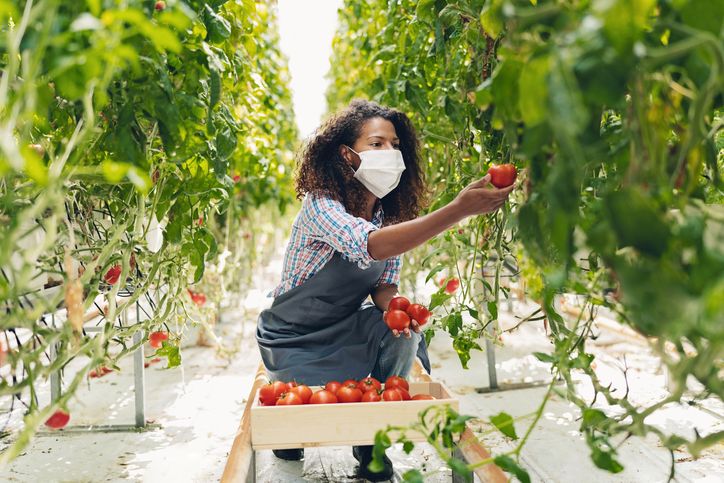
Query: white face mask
(380, 170)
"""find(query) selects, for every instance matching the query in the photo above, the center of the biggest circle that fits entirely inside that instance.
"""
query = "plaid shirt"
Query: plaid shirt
(323, 227)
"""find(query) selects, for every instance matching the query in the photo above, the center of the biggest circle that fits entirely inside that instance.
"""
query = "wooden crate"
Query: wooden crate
(341, 424)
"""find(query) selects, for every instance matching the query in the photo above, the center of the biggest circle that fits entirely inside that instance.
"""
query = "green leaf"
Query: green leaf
(217, 27)
(408, 446)
(605, 460)
(493, 309)
(460, 468)
(491, 17)
(506, 463)
(172, 352)
(382, 442)
(438, 298)
(533, 94)
(433, 272)
(593, 418)
(637, 222)
(544, 357)
(504, 422)
(413, 476)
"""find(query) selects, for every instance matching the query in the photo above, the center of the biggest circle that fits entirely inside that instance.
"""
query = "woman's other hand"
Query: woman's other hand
(481, 197)
(413, 324)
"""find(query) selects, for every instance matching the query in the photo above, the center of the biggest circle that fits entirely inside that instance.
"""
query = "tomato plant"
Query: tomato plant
(125, 123)
(620, 172)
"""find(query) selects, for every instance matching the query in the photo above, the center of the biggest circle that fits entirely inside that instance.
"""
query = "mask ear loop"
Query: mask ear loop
(350, 164)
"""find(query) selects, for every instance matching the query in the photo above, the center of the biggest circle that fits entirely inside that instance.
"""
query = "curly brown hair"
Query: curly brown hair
(322, 169)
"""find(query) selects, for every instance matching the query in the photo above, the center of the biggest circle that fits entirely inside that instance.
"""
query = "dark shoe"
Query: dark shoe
(363, 454)
(294, 454)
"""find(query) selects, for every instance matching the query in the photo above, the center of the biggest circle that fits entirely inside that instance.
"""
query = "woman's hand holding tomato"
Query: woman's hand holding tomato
(480, 197)
(401, 316)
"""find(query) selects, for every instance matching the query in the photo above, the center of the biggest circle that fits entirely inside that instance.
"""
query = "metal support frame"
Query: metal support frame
(493, 385)
(138, 387)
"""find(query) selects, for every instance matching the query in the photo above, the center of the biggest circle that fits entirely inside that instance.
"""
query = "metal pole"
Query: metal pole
(139, 374)
(490, 354)
(55, 386)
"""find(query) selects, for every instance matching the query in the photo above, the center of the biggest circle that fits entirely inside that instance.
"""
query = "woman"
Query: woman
(362, 187)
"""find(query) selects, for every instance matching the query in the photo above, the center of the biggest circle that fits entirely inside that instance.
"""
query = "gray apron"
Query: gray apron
(321, 331)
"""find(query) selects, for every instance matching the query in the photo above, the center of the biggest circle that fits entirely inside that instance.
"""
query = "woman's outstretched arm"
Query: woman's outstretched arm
(477, 198)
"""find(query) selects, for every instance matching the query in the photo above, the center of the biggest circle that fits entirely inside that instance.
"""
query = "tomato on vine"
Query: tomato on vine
(160, 5)
(58, 420)
(113, 274)
(452, 285)
(155, 339)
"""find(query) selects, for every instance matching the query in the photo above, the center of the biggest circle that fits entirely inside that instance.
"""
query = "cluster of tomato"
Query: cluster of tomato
(368, 389)
(400, 313)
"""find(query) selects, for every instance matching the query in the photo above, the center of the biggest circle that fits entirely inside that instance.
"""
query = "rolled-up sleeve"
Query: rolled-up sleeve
(326, 220)
(391, 275)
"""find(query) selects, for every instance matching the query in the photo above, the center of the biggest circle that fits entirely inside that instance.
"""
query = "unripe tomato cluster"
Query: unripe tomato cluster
(400, 313)
(369, 389)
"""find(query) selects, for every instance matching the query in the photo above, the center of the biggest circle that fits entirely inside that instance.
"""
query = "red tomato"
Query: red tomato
(290, 399)
(502, 175)
(452, 285)
(100, 372)
(391, 395)
(350, 383)
(323, 397)
(58, 420)
(398, 303)
(156, 339)
(160, 5)
(419, 313)
(368, 384)
(304, 392)
(292, 384)
(269, 393)
(333, 386)
(405, 395)
(371, 396)
(397, 320)
(197, 297)
(393, 382)
(421, 397)
(237, 178)
(347, 394)
(113, 274)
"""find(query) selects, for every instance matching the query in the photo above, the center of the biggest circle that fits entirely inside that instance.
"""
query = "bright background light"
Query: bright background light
(306, 28)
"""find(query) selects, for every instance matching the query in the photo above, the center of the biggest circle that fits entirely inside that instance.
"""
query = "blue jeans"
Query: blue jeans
(396, 356)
